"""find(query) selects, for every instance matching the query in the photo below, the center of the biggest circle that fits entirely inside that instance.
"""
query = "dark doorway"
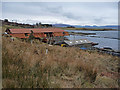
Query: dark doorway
(49, 34)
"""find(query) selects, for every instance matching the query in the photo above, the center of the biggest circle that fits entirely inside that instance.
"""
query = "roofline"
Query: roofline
(36, 30)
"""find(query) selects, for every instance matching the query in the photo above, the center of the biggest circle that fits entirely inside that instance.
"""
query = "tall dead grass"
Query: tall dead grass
(27, 65)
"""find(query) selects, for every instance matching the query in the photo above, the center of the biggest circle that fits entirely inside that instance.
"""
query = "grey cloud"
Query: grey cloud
(53, 9)
(84, 12)
(71, 16)
(98, 20)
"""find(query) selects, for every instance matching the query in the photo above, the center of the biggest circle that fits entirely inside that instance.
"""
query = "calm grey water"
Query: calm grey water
(104, 38)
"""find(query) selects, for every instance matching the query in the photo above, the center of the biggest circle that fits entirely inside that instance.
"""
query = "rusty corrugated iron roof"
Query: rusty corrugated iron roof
(36, 30)
(19, 35)
(24, 36)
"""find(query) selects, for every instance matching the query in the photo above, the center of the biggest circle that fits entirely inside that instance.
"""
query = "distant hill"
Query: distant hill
(111, 26)
(61, 25)
(86, 26)
(107, 26)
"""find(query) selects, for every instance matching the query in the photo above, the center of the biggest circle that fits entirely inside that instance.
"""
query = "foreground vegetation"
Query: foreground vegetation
(91, 29)
(26, 65)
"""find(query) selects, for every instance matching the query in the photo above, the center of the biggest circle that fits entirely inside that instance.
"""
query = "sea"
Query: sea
(103, 38)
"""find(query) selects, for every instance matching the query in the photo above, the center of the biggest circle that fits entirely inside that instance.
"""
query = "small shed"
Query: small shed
(81, 43)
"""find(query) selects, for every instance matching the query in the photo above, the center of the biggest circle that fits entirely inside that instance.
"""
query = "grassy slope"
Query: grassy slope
(8, 26)
(26, 65)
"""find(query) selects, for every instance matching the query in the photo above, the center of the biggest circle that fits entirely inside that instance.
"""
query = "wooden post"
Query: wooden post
(31, 41)
(46, 50)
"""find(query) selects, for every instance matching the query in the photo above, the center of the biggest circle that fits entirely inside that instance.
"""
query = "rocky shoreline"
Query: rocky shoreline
(81, 33)
(90, 29)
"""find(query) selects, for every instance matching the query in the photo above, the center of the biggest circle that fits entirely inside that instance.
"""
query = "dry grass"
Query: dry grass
(26, 65)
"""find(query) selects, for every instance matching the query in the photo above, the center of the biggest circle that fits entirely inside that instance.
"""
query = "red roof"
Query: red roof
(36, 30)
(23, 35)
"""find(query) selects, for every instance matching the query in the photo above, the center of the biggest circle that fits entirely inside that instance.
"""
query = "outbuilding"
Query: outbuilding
(48, 34)
(81, 43)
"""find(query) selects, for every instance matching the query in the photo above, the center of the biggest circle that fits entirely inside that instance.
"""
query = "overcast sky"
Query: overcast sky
(74, 13)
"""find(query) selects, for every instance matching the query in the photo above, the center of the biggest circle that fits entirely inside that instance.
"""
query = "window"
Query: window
(26, 34)
(76, 41)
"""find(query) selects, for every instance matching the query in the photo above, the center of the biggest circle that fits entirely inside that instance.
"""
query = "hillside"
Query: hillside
(26, 65)
(86, 27)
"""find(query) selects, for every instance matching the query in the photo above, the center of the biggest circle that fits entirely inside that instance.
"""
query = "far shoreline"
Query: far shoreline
(90, 29)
